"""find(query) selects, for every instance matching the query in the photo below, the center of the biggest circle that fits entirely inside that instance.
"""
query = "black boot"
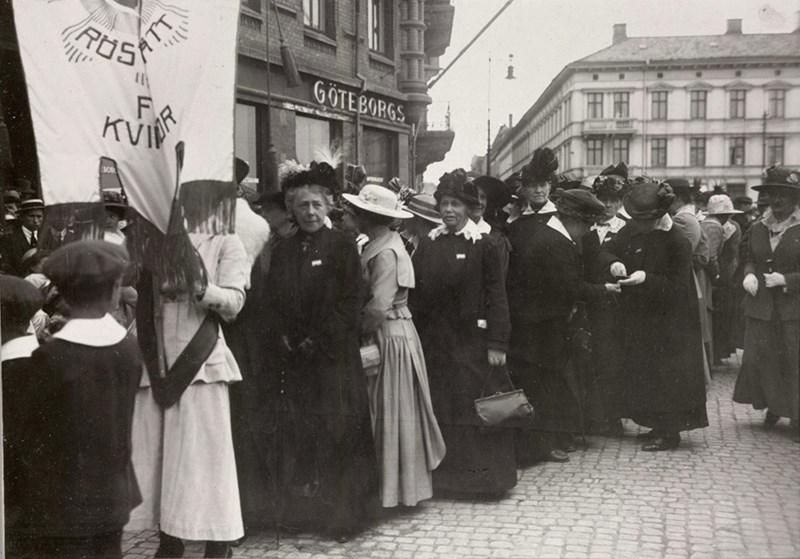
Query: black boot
(218, 550)
(169, 547)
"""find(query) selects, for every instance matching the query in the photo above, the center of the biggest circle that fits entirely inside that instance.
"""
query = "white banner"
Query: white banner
(129, 80)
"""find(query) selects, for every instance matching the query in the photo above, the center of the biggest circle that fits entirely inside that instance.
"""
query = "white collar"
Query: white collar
(94, 332)
(19, 348)
(469, 231)
(483, 227)
(28, 233)
(556, 224)
(664, 223)
(614, 224)
(778, 226)
(548, 208)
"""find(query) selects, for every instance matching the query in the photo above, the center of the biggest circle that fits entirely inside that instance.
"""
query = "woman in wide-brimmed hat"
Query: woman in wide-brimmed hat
(408, 442)
(723, 236)
(461, 311)
(771, 362)
(662, 356)
(425, 217)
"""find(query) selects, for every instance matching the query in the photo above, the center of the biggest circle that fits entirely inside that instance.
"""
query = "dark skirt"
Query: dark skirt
(770, 367)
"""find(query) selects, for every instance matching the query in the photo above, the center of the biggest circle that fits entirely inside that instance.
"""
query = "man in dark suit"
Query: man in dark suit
(23, 237)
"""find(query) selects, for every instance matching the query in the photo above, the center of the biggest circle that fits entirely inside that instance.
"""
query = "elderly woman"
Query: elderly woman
(407, 437)
(314, 387)
(662, 356)
(460, 308)
(770, 369)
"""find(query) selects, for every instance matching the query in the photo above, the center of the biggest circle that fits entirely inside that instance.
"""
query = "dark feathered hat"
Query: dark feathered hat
(541, 168)
(498, 194)
(612, 182)
(457, 184)
(321, 174)
(648, 200)
(780, 177)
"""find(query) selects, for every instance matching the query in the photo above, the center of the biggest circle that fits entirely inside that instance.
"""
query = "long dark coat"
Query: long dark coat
(319, 395)
(459, 288)
(13, 246)
(663, 359)
(543, 344)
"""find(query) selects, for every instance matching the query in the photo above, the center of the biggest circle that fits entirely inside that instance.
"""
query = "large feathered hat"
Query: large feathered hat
(458, 185)
(321, 171)
(541, 168)
(612, 182)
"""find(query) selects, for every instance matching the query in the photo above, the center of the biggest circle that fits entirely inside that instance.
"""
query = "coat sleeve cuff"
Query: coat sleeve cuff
(792, 282)
(226, 302)
(497, 345)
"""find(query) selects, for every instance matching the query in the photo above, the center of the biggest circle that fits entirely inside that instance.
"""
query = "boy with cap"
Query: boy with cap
(19, 301)
(82, 487)
(24, 237)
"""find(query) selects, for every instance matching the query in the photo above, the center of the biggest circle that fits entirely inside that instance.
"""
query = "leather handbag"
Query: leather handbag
(503, 406)
(370, 359)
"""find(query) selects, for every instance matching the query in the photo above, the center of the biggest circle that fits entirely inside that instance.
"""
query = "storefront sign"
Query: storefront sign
(335, 96)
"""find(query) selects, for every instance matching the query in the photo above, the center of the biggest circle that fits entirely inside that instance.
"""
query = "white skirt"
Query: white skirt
(184, 463)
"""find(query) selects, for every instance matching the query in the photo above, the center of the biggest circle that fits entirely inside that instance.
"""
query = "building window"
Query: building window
(567, 155)
(245, 139)
(380, 153)
(697, 152)
(658, 152)
(311, 134)
(594, 152)
(379, 26)
(595, 107)
(697, 104)
(254, 5)
(658, 110)
(622, 105)
(619, 150)
(776, 103)
(314, 13)
(775, 151)
(737, 103)
(737, 151)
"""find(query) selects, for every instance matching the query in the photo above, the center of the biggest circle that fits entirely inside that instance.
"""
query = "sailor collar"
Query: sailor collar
(19, 348)
(93, 332)
(548, 208)
(556, 225)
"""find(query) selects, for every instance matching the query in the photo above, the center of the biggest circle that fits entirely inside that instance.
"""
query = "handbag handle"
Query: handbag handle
(486, 379)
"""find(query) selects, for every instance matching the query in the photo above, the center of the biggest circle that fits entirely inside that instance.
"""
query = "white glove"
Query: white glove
(750, 284)
(613, 288)
(618, 270)
(635, 278)
(774, 279)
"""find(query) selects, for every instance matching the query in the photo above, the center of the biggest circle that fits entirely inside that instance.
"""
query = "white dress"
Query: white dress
(183, 456)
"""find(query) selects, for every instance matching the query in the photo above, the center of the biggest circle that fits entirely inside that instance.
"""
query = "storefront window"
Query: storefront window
(245, 143)
(311, 134)
(380, 153)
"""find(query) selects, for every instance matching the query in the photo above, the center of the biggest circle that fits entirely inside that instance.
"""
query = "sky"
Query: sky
(546, 35)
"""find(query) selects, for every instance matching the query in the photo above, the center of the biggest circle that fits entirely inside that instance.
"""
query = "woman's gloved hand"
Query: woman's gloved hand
(750, 284)
(636, 278)
(618, 270)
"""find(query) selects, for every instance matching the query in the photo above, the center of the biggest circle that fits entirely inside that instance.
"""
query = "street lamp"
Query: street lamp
(509, 76)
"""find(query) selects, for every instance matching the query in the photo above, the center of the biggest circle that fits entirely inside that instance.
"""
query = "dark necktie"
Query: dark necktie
(33, 242)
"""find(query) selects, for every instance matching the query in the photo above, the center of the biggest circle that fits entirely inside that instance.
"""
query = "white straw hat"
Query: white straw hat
(720, 204)
(378, 200)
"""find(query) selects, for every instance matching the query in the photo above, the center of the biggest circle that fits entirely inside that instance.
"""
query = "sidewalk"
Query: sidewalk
(730, 491)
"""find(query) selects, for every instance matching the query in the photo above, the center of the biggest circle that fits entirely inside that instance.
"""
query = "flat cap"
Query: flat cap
(86, 264)
(648, 200)
(578, 203)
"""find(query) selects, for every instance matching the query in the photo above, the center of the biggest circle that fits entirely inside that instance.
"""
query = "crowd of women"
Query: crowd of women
(333, 369)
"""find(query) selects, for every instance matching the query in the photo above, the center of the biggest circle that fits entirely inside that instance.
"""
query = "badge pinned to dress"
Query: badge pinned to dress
(315, 263)
(461, 256)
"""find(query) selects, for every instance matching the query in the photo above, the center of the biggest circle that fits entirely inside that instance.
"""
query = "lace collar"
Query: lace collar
(469, 231)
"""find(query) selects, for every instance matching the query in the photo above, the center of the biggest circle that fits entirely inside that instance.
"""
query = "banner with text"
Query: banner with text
(147, 84)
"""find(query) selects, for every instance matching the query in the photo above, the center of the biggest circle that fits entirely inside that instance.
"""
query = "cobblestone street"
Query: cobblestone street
(731, 490)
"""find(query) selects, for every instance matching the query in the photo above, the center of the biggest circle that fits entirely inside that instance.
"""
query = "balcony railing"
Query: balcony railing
(609, 126)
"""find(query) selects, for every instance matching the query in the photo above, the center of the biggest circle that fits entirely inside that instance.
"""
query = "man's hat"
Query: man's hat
(423, 206)
(648, 200)
(19, 300)
(578, 203)
(780, 177)
(85, 265)
(30, 205)
(721, 204)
